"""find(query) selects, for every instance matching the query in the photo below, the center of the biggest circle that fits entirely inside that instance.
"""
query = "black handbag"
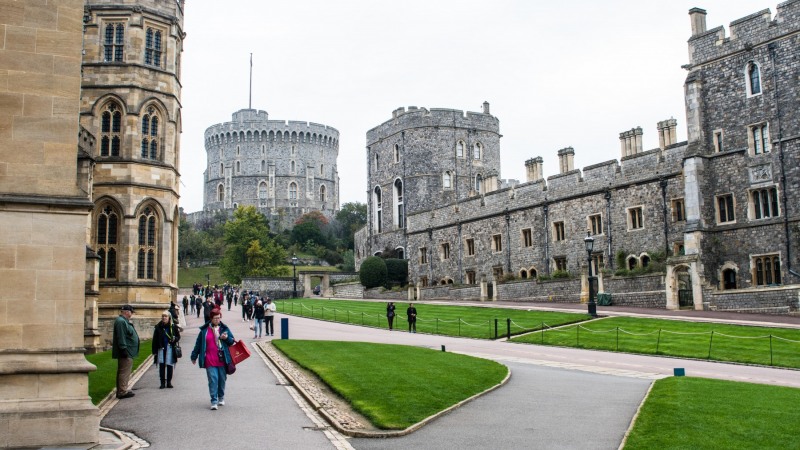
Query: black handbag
(178, 351)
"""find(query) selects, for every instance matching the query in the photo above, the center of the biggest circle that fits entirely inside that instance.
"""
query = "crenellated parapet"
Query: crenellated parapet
(414, 117)
(249, 125)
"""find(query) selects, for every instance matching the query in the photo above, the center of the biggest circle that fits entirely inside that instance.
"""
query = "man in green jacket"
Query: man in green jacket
(124, 347)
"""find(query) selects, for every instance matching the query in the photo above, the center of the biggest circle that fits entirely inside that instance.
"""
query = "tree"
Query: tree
(193, 245)
(308, 231)
(242, 256)
(350, 218)
(397, 271)
(373, 272)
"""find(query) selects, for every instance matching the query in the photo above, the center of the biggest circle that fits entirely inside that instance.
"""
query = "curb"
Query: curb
(636, 416)
(371, 434)
(111, 399)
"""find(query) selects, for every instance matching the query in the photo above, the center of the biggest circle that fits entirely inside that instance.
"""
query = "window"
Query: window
(444, 251)
(678, 249)
(753, 79)
(377, 208)
(293, 191)
(423, 281)
(377, 160)
(396, 153)
(460, 149)
(398, 201)
(718, 141)
(322, 193)
(110, 130)
(293, 150)
(497, 243)
(497, 272)
(470, 247)
(152, 47)
(558, 231)
(291, 167)
(765, 203)
(725, 208)
(238, 150)
(238, 167)
(263, 166)
(632, 262)
(728, 279)
(107, 241)
(401, 254)
(479, 184)
(678, 210)
(146, 263)
(221, 169)
(635, 219)
(527, 237)
(470, 277)
(150, 134)
(596, 224)
(759, 139)
(262, 194)
(523, 273)
(560, 263)
(447, 180)
(767, 270)
(114, 43)
(477, 150)
(644, 260)
(597, 263)
(220, 193)
(423, 255)
(321, 169)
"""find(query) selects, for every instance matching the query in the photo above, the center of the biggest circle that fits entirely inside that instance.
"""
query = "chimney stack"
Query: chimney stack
(667, 133)
(533, 169)
(698, 19)
(566, 158)
(631, 141)
(486, 107)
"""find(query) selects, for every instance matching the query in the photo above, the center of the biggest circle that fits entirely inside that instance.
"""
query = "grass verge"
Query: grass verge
(721, 342)
(104, 379)
(466, 321)
(698, 413)
(394, 386)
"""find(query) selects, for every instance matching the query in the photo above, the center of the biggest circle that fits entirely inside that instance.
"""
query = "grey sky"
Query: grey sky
(557, 74)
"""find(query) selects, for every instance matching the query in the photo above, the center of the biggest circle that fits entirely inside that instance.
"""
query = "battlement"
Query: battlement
(413, 117)
(172, 8)
(256, 123)
(746, 33)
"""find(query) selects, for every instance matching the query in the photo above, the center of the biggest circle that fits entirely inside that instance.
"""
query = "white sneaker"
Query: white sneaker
(214, 407)
(221, 403)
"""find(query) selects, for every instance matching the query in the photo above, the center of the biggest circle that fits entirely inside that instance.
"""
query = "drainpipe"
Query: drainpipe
(546, 241)
(663, 184)
(772, 47)
(460, 255)
(508, 241)
(608, 230)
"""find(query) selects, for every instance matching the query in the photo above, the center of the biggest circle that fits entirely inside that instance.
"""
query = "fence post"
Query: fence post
(658, 341)
(577, 335)
(617, 339)
(770, 349)
(710, 341)
(459, 326)
(542, 333)
(495, 327)
(348, 316)
(362, 318)
(508, 327)
(437, 325)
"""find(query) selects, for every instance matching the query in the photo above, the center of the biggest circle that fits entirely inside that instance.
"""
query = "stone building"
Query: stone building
(719, 207)
(130, 103)
(283, 168)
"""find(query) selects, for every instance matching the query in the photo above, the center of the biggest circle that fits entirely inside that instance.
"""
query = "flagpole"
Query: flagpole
(250, 101)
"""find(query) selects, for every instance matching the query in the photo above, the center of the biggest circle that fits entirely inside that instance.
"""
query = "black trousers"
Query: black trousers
(165, 373)
(269, 326)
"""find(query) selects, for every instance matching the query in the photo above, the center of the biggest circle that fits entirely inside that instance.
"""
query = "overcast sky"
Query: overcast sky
(556, 73)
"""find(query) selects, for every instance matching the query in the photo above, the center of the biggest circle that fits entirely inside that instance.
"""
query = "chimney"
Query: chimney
(533, 169)
(667, 133)
(486, 107)
(566, 158)
(631, 141)
(698, 19)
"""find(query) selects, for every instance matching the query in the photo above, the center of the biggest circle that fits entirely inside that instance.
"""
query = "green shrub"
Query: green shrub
(508, 277)
(397, 271)
(561, 274)
(373, 272)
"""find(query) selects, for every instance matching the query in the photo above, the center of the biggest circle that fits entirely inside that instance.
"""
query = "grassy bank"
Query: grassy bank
(104, 379)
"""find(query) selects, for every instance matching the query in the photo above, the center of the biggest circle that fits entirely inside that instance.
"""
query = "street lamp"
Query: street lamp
(294, 275)
(208, 281)
(589, 241)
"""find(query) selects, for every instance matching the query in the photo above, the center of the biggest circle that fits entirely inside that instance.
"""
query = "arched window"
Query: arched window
(292, 191)
(321, 169)
(377, 209)
(322, 193)
(401, 253)
(148, 245)
(523, 274)
(398, 201)
(477, 150)
(107, 241)
(150, 134)
(220, 193)
(632, 262)
(263, 166)
(460, 149)
(396, 153)
(110, 130)
(291, 169)
(221, 169)
(753, 79)
(447, 180)
(532, 273)
(262, 194)
(729, 279)
(644, 260)
(479, 184)
(238, 167)
(152, 48)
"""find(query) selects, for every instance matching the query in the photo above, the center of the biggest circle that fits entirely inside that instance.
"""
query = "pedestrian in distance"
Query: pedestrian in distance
(258, 315)
(124, 347)
(412, 318)
(390, 314)
(173, 310)
(165, 337)
(198, 305)
(269, 315)
(211, 348)
(229, 298)
(208, 306)
(192, 303)
(244, 307)
(185, 306)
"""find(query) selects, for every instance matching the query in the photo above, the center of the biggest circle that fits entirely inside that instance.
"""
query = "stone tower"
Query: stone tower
(131, 104)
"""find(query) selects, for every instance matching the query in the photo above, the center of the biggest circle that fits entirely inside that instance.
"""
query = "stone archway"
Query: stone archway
(684, 288)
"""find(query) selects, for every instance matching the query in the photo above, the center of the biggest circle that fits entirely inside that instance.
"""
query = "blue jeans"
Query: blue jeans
(257, 327)
(216, 383)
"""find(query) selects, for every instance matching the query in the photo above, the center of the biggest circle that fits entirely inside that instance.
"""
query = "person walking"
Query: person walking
(208, 306)
(229, 297)
(192, 303)
(173, 310)
(124, 347)
(165, 337)
(211, 348)
(412, 318)
(244, 307)
(185, 306)
(198, 305)
(258, 316)
(270, 309)
(390, 314)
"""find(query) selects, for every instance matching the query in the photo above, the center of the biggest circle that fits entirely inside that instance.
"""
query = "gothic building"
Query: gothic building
(719, 208)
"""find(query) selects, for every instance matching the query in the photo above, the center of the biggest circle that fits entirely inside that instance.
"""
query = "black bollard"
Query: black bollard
(443, 349)
(284, 328)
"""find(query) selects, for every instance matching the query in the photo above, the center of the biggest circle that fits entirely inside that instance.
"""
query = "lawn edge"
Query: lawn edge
(111, 399)
(636, 416)
(372, 434)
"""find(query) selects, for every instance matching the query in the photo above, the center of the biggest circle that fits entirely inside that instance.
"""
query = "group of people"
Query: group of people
(411, 313)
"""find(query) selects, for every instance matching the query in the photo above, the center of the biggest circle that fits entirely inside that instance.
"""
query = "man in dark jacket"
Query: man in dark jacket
(124, 347)
(412, 318)
(208, 305)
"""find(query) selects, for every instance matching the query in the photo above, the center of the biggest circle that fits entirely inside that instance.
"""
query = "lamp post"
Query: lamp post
(208, 281)
(589, 241)
(294, 275)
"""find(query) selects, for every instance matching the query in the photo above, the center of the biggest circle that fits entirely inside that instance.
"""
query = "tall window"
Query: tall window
(678, 210)
(322, 193)
(447, 180)
(291, 169)
(110, 130)
(107, 242)
(377, 161)
(767, 270)
(152, 47)
(238, 167)
(262, 194)
(560, 262)
(460, 149)
(753, 79)
(470, 247)
(718, 141)
(470, 276)
(377, 208)
(221, 169)
(635, 218)
(765, 203)
(150, 134)
(596, 224)
(445, 251)
(479, 184)
(396, 153)
(477, 150)
(497, 243)
(423, 255)
(558, 231)
(220, 193)
(292, 191)
(725, 208)
(114, 42)
(759, 136)
(321, 169)
(527, 237)
(146, 264)
(398, 201)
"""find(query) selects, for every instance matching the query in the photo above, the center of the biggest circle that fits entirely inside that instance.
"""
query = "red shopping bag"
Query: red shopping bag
(239, 352)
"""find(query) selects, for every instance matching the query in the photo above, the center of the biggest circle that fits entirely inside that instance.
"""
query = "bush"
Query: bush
(561, 274)
(397, 271)
(373, 272)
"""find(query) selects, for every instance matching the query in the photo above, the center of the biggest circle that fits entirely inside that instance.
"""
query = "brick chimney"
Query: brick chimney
(667, 133)
(566, 158)
(533, 169)
(631, 141)
(486, 107)
(698, 19)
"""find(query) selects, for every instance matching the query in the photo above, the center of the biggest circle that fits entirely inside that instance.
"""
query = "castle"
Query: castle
(717, 209)
(283, 168)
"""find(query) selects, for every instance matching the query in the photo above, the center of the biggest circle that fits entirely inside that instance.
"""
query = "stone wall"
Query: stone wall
(381, 294)
(348, 290)
(646, 291)
(274, 287)
(777, 300)
(557, 291)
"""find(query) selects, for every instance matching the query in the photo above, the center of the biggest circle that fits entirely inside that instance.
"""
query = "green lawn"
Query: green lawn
(394, 386)
(467, 321)
(722, 342)
(104, 379)
(187, 277)
(698, 413)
